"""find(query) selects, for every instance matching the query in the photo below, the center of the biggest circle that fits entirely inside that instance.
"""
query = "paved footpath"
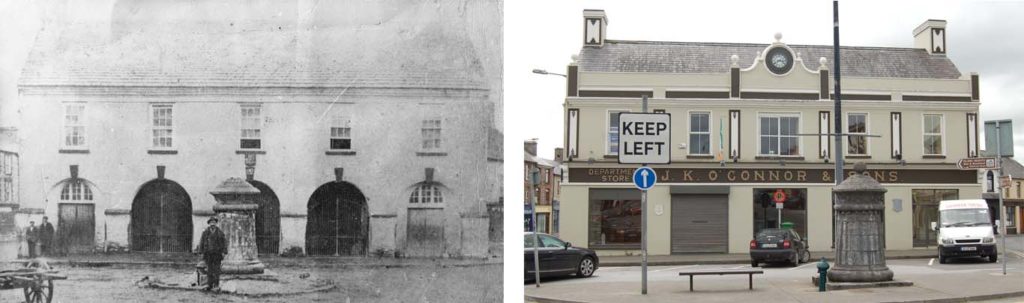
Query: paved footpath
(960, 281)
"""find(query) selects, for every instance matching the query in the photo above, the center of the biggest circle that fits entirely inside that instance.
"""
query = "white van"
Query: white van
(965, 230)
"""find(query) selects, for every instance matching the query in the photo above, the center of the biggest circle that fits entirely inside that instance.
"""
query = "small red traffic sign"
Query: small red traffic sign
(779, 196)
(977, 163)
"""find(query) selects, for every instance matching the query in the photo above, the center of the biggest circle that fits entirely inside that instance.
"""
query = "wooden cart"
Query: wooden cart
(35, 280)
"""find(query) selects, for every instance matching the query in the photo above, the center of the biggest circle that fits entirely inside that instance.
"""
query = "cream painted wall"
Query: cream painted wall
(574, 214)
(741, 223)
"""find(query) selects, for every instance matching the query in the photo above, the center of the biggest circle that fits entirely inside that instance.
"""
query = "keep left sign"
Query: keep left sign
(645, 138)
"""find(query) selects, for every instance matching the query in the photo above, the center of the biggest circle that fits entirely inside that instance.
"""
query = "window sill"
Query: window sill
(250, 151)
(431, 154)
(933, 157)
(700, 156)
(798, 158)
(858, 156)
(340, 153)
(163, 152)
(72, 151)
(611, 156)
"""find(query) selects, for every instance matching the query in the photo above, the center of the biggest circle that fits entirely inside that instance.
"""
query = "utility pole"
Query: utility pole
(838, 113)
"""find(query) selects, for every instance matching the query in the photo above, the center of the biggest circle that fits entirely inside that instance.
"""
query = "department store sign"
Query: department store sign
(770, 175)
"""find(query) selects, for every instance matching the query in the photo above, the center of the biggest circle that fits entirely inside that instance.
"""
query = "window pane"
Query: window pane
(694, 143)
(933, 124)
(932, 145)
(765, 128)
(614, 222)
(765, 148)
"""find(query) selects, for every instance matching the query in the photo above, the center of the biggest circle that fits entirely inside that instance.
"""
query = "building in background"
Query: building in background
(1013, 197)
(361, 128)
(743, 118)
(546, 191)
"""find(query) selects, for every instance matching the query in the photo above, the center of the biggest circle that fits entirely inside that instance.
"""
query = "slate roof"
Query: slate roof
(418, 48)
(705, 57)
(1013, 168)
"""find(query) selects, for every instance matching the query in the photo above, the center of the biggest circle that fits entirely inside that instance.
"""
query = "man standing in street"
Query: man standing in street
(213, 246)
(46, 237)
(32, 237)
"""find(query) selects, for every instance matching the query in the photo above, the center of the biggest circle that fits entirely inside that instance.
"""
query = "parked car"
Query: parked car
(778, 245)
(558, 257)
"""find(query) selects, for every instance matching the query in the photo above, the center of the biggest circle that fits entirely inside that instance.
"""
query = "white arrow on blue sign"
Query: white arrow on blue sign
(644, 178)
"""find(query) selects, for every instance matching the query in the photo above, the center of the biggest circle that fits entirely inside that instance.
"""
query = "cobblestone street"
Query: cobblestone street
(360, 284)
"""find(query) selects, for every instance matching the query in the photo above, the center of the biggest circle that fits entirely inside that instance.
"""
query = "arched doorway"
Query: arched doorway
(268, 219)
(161, 218)
(426, 219)
(76, 220)
(337, 221)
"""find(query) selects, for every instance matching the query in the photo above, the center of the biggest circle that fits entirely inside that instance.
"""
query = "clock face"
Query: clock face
(779, 60)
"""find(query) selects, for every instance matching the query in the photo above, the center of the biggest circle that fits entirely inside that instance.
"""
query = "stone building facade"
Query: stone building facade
(363, 137)
(744, 118)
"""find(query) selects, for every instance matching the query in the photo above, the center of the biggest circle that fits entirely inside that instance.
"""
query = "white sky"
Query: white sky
(983, 36)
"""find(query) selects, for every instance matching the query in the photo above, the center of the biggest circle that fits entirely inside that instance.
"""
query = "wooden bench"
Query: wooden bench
(749, 272)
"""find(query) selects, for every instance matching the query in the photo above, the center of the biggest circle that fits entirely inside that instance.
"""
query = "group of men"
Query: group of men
(39, 238)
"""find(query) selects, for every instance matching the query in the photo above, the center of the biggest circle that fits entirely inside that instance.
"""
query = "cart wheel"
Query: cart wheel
(41, 292)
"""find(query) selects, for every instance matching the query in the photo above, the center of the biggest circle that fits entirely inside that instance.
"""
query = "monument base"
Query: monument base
(242, 268)
(856, 285)
(859, 275)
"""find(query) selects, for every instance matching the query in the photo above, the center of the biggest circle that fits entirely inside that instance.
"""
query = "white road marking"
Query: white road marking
(801, 266)
(932, 260)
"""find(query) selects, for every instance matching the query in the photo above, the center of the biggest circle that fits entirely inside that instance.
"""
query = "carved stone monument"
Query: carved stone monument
(860, 233)
(237, 213)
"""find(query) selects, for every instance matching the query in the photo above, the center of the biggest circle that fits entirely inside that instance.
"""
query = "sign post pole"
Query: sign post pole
(534, 180)
(643, 221)
(644, 138)
(1002, 215)
(644, 178)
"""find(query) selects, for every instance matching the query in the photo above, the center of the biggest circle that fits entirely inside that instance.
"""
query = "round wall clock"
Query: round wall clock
(779, 60)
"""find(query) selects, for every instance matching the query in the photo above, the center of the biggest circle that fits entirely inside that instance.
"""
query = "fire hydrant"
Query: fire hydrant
(822, 270)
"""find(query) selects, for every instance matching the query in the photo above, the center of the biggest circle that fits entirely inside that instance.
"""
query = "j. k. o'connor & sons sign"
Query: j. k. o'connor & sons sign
(771, 175)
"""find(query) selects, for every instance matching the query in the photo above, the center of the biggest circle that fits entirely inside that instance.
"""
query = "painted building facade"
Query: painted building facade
(743, 118)
(362, 139)
(546, 191)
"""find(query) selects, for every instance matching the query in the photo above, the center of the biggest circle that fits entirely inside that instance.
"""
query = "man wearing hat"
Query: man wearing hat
(213, 246)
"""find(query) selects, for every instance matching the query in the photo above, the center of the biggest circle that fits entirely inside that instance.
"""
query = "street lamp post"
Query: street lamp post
(545, 72)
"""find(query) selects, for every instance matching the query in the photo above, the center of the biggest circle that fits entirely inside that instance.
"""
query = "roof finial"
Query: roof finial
(735, 60)
(778, 37)
(823, 63)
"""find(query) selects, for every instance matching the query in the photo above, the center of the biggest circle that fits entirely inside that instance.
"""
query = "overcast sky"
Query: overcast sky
(986, 37)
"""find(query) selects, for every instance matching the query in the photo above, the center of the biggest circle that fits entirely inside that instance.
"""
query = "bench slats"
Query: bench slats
(749, 272)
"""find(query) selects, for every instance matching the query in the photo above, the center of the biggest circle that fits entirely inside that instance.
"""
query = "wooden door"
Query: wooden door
(161, 218)
(425, 232)
(76, 227)
(337, 221)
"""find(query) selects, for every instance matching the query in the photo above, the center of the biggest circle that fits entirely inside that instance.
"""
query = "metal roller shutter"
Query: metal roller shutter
(700, 223)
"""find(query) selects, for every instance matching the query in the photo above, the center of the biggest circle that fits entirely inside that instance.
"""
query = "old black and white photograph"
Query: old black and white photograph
(251, 151)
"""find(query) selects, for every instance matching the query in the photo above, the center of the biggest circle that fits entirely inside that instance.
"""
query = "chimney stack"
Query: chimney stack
(531, 147)
(931, 36)
(595, 24)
